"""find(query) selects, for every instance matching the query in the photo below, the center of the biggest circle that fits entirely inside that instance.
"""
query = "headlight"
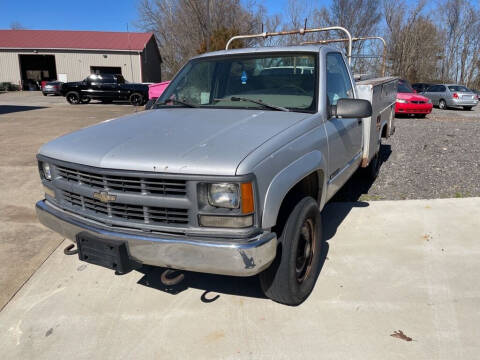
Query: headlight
(46, 171)
(224, 195)
(401, 101)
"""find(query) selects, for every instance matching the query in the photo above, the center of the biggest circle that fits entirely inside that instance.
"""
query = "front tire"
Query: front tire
(291, 277)
(73, 97)
(136, 99)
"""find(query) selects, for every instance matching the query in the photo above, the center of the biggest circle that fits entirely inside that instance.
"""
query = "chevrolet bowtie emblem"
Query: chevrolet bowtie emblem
(104, 196)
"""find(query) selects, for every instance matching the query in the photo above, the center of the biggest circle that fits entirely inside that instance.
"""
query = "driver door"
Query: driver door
(344, 134)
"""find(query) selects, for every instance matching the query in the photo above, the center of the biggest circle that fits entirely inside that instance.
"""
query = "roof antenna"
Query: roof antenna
(130, 53)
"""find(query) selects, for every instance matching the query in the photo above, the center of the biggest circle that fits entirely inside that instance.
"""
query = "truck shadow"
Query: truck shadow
(359, 184)
(213, 286)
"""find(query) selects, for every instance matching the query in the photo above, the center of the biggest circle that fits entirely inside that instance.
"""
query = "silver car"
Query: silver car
(446, 95)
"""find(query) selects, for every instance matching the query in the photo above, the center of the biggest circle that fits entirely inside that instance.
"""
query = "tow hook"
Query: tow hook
(168, 281)
(68, 250)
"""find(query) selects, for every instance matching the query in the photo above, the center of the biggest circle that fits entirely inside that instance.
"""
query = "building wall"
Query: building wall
(9, 67)
(76, 64)
(151, 61)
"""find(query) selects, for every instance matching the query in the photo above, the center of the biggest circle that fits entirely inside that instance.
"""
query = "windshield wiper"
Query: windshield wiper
(259, 102)
(178, 102)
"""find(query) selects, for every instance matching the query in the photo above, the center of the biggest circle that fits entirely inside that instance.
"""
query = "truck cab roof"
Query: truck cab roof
(267, 50)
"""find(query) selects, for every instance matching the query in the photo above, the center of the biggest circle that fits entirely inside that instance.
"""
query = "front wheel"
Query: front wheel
(136, 99)
(291, 277)
(73, 97)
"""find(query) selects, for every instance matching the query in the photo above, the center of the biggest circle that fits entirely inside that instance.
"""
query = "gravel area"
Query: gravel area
(436, 157)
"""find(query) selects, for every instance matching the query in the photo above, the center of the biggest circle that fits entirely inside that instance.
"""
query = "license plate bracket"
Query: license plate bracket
(104, 252)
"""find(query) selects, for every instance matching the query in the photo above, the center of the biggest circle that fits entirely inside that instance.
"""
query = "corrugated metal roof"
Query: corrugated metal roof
(56, 39)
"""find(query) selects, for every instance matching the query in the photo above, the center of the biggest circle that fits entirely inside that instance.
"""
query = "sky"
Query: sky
(101, 15)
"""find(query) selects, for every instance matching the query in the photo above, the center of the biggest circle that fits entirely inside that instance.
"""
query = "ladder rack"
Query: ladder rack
(301, 31)
(361, 38)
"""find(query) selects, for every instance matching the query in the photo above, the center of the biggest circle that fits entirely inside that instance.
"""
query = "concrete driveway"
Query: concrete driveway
(28, 120)
(394, 271)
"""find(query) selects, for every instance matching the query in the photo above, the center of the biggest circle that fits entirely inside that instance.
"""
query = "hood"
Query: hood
(180, 140)
(411, 97)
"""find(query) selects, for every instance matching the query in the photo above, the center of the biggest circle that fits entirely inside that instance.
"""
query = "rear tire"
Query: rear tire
(85, 100)
(136, 99)
(442, 105)
(468, 108)
(73, 97)
(292, 276)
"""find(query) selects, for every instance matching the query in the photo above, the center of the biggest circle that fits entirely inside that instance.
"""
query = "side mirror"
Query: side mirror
(351, 108)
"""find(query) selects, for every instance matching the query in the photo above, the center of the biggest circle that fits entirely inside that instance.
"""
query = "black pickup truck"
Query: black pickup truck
(106, 88)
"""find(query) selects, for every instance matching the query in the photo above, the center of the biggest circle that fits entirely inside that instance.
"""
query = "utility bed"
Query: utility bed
(381, 92)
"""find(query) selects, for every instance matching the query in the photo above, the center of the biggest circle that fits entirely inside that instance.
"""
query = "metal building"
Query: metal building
(28, 57)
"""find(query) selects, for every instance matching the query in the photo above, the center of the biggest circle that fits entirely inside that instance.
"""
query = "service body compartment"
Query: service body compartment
(381, 92)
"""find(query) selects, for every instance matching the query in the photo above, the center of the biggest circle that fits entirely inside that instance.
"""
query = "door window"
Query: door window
(339, 85)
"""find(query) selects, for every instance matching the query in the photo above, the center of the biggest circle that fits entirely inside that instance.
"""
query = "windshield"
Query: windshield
(272, 81)
(404, 87)
(458, 88)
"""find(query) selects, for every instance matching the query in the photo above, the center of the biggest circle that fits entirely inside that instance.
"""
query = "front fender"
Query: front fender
(287, 179)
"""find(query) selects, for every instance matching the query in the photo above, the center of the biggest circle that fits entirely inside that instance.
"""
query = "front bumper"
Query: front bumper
(410, 108)
(242, 257)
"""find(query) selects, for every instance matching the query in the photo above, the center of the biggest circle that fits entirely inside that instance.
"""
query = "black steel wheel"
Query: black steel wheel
(305, 250)
(291, 277)
(136, 99)
(73, 97)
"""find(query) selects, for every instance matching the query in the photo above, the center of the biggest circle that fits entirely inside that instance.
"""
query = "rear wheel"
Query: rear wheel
(467, 108)
(73, 97)
(85, 100)
(136, 99)
(291, 277)
(373, 169)
(442, 105)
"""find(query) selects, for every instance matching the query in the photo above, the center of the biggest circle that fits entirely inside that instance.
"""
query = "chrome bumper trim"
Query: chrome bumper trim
(217, 256)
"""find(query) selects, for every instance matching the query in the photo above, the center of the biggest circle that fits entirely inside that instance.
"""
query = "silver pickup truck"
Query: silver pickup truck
(227, 174)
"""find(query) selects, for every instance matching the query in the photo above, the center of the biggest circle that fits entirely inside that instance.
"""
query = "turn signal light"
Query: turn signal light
(247, 198)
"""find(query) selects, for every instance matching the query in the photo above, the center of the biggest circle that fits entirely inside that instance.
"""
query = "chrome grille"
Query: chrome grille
(127, 184)
(129, 212)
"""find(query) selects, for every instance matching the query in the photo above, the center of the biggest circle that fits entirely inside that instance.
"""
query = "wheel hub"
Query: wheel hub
(305, 250)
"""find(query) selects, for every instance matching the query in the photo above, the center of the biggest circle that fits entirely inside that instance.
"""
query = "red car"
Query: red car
(411, 103)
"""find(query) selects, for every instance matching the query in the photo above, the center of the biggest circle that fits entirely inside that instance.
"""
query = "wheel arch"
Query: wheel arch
(304, 176)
